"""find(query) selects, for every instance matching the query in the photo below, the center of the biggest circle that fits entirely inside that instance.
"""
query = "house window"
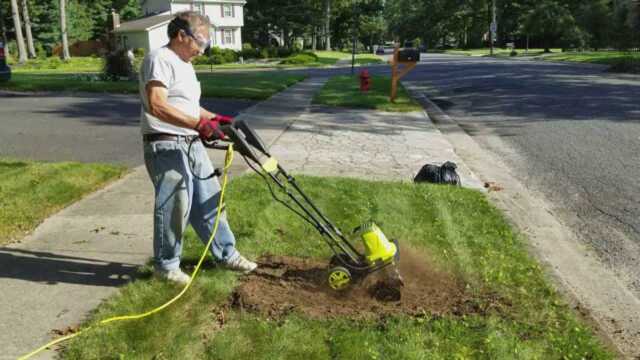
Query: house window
(227, 10)
(227, 35)
(199, 8)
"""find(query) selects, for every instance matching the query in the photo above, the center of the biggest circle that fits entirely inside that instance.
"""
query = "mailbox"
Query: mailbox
(409, 55)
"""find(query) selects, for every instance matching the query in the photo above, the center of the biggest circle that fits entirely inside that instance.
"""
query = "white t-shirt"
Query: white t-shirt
(179, 78)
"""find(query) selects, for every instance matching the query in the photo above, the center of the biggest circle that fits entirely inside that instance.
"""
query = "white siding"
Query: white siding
(215, 13)
(158, 37)
(134, 40)
(217, 34)
(213, 9)
(176, 8)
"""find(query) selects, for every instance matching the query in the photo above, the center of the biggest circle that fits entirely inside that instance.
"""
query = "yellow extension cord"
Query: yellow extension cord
(227, 163)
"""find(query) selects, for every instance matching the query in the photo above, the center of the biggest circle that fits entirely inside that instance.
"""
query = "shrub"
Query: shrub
(54, 63)
(249, 53)
(40, 51)
(117, 64)
(626, 65)
(218, 56)
(513, 53)
(273, 52)
(200, 60)
(284, 52)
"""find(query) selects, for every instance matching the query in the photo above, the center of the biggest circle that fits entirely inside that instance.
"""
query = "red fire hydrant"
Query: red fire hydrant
(365, 80)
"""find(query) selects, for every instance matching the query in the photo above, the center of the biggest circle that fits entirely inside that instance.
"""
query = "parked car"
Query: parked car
(380, 50)
(5, 70)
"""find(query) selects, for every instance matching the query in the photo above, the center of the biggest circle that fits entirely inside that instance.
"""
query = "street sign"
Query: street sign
(494, 27)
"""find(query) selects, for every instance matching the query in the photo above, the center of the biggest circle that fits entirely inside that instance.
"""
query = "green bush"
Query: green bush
(273, 52)
(284, 52)
(40, 51)
(53, 63)
(626, 65)
(117, 65)
(200, 60)
(218, 56)
(249, 53)
(513, 53)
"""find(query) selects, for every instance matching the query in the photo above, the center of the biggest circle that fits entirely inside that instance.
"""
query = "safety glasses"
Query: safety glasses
(201, 41)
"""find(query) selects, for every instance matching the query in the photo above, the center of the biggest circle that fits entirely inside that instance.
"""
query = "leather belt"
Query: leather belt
(167, 137)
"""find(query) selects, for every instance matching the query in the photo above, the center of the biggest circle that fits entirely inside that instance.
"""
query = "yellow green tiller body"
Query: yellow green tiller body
(348, 264)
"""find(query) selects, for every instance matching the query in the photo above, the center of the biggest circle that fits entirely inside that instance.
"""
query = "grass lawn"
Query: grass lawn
(345, 91)
(331, 57)
(54, 64)
(31, 191)
(594, 57)
(458, 229)
(254, 85)
(500, 52)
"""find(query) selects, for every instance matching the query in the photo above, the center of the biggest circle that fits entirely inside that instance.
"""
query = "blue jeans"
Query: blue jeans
(181, 199)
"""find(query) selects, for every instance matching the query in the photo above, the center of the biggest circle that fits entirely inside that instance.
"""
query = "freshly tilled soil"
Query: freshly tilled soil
(282, 285)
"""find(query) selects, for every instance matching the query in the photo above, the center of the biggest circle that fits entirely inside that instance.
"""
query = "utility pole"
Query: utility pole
(494, 24)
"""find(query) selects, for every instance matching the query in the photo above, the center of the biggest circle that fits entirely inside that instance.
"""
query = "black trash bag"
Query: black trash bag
(445, 174)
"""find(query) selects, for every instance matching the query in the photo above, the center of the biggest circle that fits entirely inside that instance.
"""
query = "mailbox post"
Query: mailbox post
(407, 57)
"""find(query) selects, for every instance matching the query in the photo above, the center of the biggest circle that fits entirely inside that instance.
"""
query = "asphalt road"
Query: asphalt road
(82, 127)
(570, 133)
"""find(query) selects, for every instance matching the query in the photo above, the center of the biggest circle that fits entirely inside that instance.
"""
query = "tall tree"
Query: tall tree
(3, 30)
(22, 53)
(63, 31)
(27, 27)
(327, 25)
(550, 21)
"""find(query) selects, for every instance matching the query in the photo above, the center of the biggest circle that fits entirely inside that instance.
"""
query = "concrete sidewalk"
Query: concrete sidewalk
(366, 144)
(80, 256)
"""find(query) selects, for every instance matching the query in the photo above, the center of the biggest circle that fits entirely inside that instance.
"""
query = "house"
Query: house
(150, 31)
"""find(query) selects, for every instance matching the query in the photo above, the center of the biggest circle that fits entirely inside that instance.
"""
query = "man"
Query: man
(171, 119)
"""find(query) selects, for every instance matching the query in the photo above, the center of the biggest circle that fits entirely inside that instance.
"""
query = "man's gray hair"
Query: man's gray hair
(187, 20)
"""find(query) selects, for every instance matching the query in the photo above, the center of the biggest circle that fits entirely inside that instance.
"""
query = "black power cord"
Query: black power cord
(216, 172)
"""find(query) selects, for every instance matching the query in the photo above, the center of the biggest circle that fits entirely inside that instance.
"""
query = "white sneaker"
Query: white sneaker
(176, 276)
(239, 263)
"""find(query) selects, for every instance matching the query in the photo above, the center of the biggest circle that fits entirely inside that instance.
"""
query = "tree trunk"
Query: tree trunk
(327, 25)
(22, 52)
(63, 30)
(314, 40)
(3, 32)
(27, 27)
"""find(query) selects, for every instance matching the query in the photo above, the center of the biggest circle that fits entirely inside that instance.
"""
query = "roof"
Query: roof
(144, 24)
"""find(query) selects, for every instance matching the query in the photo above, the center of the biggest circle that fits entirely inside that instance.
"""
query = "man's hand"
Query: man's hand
(209, 129)
(223, 119)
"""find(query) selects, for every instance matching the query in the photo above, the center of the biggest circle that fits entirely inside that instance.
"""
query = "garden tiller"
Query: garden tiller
(347, 265)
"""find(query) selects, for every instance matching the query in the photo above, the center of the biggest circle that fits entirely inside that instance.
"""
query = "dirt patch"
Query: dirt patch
(286, 284)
